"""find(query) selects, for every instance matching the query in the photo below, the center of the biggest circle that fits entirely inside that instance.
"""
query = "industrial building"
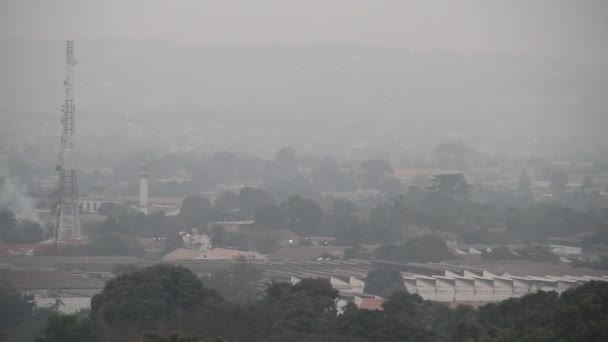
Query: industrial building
(471, 287)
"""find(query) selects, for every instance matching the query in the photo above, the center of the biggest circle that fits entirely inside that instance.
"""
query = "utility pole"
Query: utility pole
(68, 211)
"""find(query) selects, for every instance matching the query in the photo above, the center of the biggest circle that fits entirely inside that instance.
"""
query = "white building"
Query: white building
(565, 250)
(451, 287)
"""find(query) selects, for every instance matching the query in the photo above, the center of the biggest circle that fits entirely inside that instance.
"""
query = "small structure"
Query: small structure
(144, 176)
(369, 303)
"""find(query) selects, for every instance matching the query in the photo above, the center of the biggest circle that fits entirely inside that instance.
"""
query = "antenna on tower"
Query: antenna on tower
(68, 211)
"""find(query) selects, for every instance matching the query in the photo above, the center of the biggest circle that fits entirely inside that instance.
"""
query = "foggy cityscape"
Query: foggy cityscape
(289, 170)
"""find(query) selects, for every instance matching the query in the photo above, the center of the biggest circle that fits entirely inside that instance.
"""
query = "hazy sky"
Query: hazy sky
(559, 28)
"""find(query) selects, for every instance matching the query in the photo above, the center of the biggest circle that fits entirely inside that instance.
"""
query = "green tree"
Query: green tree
(309, 305)
(466, 332)
(329, 175)
(547, 219)
(67, 328)
(252, 199)
(427, 248)
(291, 186)
(304, 215)
(157, 295)
(528, 335)
(581, 314)
(391, 186)
(8, 224)
(341, 207)
(405, 317)
(116, 211)
(16, 310)
(238, 283)
(195, 212)
(28, 232)
(375, 170)
(227, 201)
(453, 186)
(219, 237)
(237, 240)
(384, 282)
(530, 311)
(269, 217)
(110, 226)
(349, 230)
(15, 232)
(152, 337)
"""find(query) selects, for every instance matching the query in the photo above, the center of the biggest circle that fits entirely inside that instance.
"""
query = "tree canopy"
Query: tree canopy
(384, 282)
(156, 294)
(427, 248)
(453, 185)
(303, 215)
(252, 199)
(195, 212)
(16, 309)
(375, 170)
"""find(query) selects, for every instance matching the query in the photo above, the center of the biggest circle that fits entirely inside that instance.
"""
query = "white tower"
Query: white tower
(144, 175)
(68, 211)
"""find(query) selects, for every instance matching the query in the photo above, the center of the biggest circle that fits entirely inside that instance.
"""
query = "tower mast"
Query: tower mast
(68, 222)
(144, 175)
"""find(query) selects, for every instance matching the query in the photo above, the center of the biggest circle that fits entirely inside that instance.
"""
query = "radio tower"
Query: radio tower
(68, 219)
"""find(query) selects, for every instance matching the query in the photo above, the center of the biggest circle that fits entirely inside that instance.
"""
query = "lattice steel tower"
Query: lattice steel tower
(68, 211)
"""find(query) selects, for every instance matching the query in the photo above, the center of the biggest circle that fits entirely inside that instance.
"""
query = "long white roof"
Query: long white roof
(566, 278)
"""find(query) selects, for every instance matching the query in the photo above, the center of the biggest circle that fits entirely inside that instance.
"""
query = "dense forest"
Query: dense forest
(169, 303)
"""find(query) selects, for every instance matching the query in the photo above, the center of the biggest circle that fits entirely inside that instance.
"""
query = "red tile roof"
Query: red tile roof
(371, 303)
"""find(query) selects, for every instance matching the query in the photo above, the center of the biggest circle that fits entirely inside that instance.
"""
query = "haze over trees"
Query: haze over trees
(447, 205)
(308, 135)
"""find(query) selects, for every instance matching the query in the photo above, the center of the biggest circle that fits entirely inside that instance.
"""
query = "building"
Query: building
(92, 202)
(435, 282)
(470, 287)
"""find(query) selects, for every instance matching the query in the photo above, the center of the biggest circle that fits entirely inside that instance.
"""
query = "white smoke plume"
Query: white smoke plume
(13, 196)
